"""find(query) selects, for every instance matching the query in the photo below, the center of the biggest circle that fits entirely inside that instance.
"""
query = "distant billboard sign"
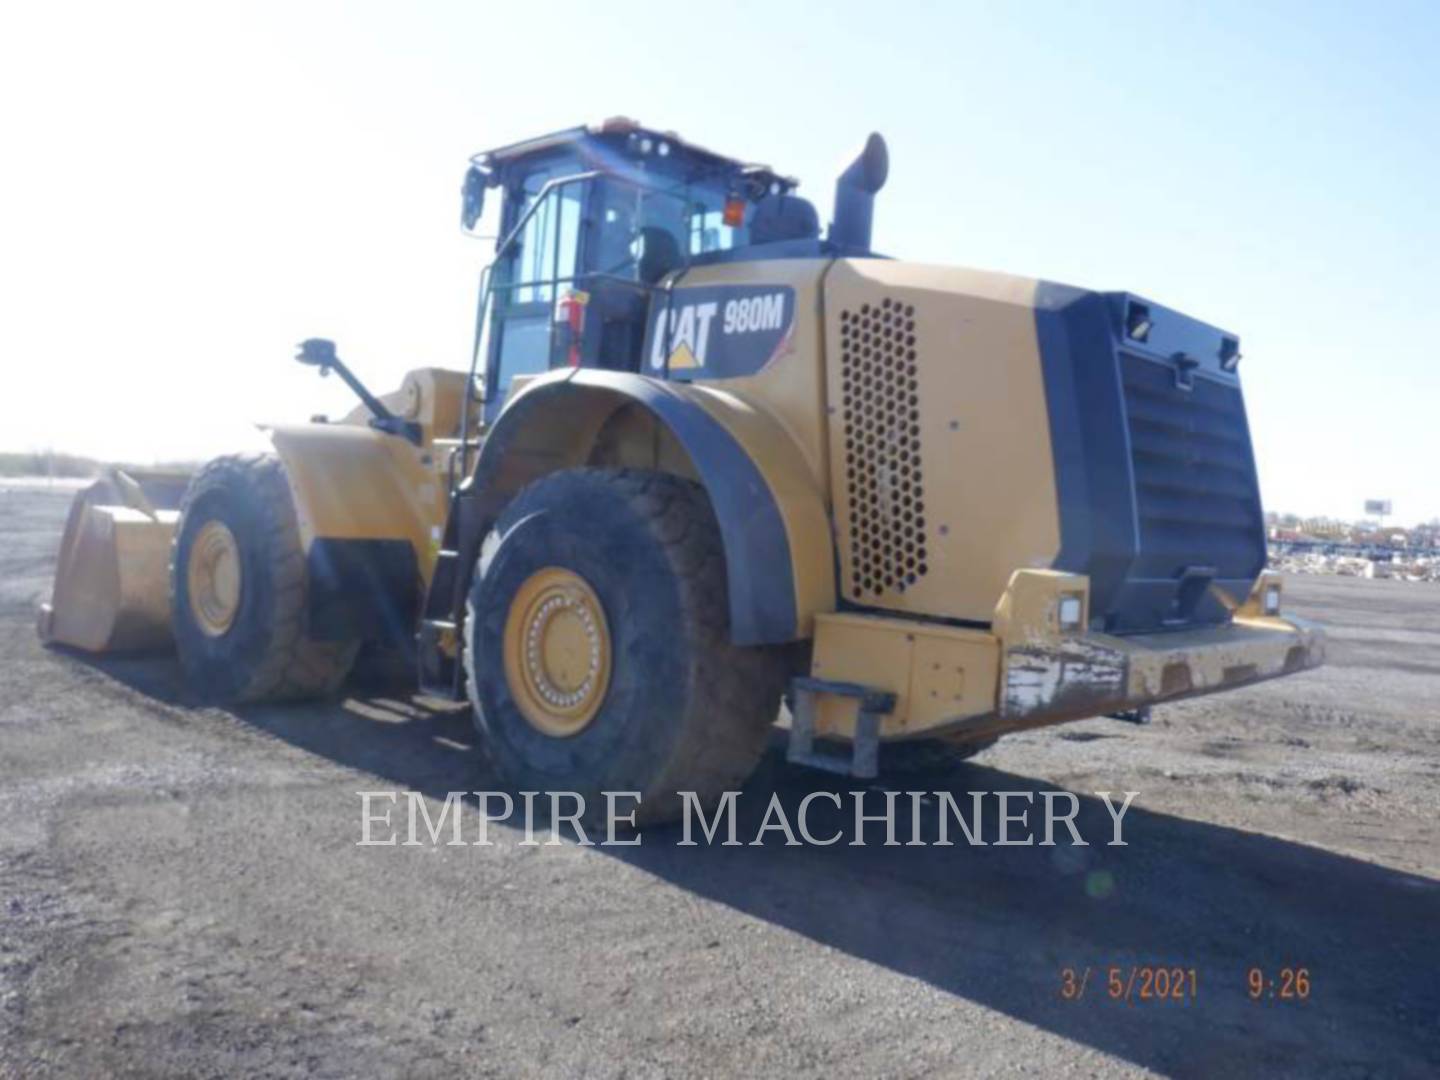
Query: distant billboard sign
(1377, 507)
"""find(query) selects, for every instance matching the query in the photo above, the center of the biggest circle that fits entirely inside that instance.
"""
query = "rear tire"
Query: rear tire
(245, 641)
(682, 709)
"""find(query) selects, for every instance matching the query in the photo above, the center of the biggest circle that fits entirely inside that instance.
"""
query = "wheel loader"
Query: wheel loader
(709, 457)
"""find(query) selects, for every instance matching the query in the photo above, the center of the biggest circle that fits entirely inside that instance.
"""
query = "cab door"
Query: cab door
(530, 273)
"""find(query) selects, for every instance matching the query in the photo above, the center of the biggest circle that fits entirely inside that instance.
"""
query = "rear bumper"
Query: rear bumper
(1030, 668)
(1048, 676)
(1094, 674)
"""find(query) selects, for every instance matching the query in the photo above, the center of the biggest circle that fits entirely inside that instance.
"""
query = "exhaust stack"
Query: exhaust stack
(855, 192)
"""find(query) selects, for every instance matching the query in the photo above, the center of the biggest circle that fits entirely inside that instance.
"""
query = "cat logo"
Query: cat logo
(718, 331)
(689, 337)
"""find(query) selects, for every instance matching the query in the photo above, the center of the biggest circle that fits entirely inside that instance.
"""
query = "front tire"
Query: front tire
(239, 588)
(598, 648)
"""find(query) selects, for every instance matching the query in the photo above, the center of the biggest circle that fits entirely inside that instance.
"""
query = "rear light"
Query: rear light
(1229, 354)
(1072, 611)
(1137, 322)
(1271, 604)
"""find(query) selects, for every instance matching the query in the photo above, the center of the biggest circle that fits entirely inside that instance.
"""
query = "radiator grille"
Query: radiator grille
(1196, 494)
(881, 411)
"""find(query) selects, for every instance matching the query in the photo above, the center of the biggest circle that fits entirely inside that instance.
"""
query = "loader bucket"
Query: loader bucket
(112, 580)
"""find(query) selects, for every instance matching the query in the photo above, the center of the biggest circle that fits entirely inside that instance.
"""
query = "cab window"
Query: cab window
(546, 250)
(538, 266)
(631, 217)
(708, 231)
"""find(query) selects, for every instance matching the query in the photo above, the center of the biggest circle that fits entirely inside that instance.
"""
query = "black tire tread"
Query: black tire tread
(737, 689)
(294, 667)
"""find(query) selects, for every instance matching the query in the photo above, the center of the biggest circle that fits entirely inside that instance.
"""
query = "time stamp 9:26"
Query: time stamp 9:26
(1134, 984)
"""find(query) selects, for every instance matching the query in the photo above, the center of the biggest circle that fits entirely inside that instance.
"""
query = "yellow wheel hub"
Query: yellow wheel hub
(213, 578)
(557, 652)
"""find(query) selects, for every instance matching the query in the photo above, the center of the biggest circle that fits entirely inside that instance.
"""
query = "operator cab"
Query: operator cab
(593, 221)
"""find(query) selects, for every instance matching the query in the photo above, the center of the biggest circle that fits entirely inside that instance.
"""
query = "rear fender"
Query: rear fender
(779, 553)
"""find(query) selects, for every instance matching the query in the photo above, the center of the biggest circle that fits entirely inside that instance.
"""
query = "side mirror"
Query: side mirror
(317, 352)
(472, 197)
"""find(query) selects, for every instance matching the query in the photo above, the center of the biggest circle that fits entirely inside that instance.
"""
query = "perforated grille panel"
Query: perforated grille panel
(881, 411)
(1195, 487)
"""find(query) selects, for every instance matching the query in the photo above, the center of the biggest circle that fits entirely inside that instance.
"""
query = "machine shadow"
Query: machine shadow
(1000, 926)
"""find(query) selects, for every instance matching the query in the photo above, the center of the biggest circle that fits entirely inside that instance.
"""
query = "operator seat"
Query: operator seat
(660, 254)
(783, 217)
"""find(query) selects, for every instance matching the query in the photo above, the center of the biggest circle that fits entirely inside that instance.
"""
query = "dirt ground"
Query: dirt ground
(181, 893)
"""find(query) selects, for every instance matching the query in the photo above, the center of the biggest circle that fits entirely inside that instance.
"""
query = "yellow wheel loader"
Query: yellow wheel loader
(708, 456)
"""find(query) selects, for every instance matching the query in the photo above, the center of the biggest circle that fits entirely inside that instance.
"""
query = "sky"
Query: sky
(190, 189)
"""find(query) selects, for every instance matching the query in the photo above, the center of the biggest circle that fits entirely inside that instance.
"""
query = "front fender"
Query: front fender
(369, 509)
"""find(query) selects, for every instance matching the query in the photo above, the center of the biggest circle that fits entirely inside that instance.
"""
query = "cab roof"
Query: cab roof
(619, 132)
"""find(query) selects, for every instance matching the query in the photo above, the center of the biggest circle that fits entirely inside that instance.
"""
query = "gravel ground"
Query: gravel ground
(181, 893)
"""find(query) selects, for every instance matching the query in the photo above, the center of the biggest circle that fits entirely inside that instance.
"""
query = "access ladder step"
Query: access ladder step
(863, 759)
(441, 674)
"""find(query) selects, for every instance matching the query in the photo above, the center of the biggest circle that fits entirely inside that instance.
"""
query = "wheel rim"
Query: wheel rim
(212, 575)
(557, 652)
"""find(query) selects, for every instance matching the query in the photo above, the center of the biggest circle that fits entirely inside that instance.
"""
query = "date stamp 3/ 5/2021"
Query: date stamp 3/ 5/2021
(1133, 984)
